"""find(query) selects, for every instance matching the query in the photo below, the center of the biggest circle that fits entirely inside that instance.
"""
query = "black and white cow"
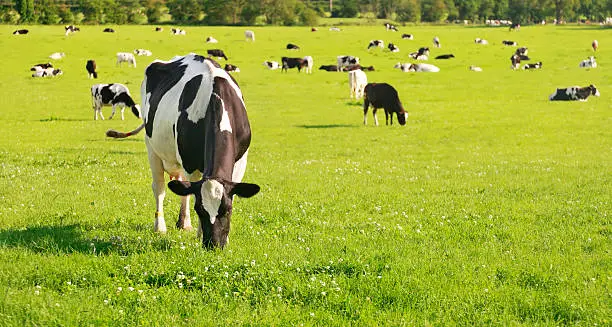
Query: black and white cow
(516, 61)
(509, 43)
(197, 131)
(231, 68)
(392, 47)
(178, 31)
(515, 27)
(344, 61)
(588, 63)
(48, 72)
(291, 46)
(249, 35)
(574, 93)
(522, 51)
(288, 63)
(390, 27)
(211, 39)
(115, 95)
(445, 56)
(376, 43)
(481, 41)
(21, 32)
(91, 69)
(436, 42)
(42, 66)
(143, 52)
(108, 30)
(536, 65)
(407, 36)
(271, 64)
(71, 29)
(159, 29)
(218, 53)
(383, 95)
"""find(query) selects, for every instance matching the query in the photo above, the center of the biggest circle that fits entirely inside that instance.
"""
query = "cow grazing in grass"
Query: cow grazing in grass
(178, 31)
(425, 68)
(115, 95)
(588, 63)
(515, 27)
(383, 95)
(288, 63)
(271, 65)
(108, 30)
(309, 63)
(291, 46)
(481, 41)
(231, 68)
(344, 61)
(509, 43)
(574, 93)
(392, 47)
(217, 53)
(197, 131)
(249, 35)
(390, 27)
(126, 57)
(159, 29)
(436, 42)
(595, 45)
(522, 51)
(211, 39)
(376, 43)
(69, 29)
(329, 68)
(357, 82)
(537, 65)
(91, 69)
(475, 69)
(21, 32)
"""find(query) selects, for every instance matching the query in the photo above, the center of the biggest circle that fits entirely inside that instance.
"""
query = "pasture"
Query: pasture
(491, 206)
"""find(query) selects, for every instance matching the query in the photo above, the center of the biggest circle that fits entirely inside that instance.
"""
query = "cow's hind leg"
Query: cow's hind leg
(122, 110)
(375, 118)
(159, 191)
(113, 112)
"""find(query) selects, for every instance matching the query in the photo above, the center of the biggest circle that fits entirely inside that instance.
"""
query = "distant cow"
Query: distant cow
(178, 31)
(536, 65)
(475, 69)
(231, 68)
(522, 51)
(108, 30)
(21, 32)
(126, 57)
(357, 82)
(288, 63)
(48, 72)
(211, 39)
(445, 56)
(425, 68)
(574, 93)
(309, 62)
(57, 55)
(143, 52)
(249, 35)
(313, 29)
(516, 61)
(480, 41)
(272, 65)
(515, 27)
(376, 43)
(344, 61)
(291, 46)
(71, 29)
(509, 43)
(588, 63)
(42, 66)
(407, 36)
(91, 69)
(115, 95)
(334, 29)
(383, 95)
(218, 53)
(352, 67)
(329, 68)
(390, 27)
(595, 45)
(392, 47)
(159, 29)
(436, 42)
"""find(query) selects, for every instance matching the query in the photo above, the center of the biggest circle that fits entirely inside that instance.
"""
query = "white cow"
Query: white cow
(309, 64)
(475, 69)
(357, 82)
(57, 55)
(481, 41)
(126, 57)
(249, 35)
(588, 63)
(143, 52)
(408, 67)
(211, 39)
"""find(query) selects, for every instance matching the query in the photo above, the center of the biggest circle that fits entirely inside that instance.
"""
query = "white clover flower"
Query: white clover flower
(131, 289)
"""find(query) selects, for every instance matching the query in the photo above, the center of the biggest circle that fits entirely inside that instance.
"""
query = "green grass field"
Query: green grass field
(490, 207)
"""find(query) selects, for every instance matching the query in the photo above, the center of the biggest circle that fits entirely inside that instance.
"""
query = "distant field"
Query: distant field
(490, 207)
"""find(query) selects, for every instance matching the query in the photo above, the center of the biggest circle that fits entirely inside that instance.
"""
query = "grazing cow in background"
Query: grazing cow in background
(57, 55)
(309, 62)
(249, 35)
(313, 29)
(516, 61)
(422, 51)
(39, 67)
(231, 68)
(159, 29)
(424, 68)
(588, 63)
(407, 37)
(197, 131)
(71, 29)
(376, 43)
(522, 51)
(537, 65)
(383, 95)
(334, 29)
(211, 39)
(126, 57)
(480, 41)
(218, 53)
(288, 63)
(595, 45)
(344, 61)
(91, 69)
(48, 72)
(445, 56)
(329, 68)
(357, 82)
(143, 52)
(390, 27)
(393, 48)
(108, 30)
(178, 31)
(21, 32)
(509, 43)
(475, 69)
(115, 95)
(515, 27)
(291, 46)
(271, 65)
(436, 42)
(574, 93)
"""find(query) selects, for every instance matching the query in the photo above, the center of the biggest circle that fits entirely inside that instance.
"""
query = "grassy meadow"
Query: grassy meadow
(490, 207)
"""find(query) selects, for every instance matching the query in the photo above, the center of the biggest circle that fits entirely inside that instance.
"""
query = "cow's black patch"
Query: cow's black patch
(107, 94)
(199, 58)
(161, 77)
(123, 98)
(189, 92)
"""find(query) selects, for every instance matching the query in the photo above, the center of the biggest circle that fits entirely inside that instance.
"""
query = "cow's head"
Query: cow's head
(136, 111)
(213, 204)
(594, 90)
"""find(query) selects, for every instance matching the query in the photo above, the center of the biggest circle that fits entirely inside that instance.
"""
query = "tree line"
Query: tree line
(295, 12)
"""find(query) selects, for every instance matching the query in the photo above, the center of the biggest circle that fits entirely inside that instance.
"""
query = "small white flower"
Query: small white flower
(323, 293)
(140, 291)
(131, 289)
(105, 301)
(36, 292)
(69, 283)
(119, 289)
(312, 314)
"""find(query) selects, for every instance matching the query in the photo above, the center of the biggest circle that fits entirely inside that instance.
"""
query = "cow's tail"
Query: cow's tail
(120, 135)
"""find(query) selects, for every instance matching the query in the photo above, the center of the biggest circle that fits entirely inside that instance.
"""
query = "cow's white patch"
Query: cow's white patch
(224, 125)
(212, 193)
(240, 168)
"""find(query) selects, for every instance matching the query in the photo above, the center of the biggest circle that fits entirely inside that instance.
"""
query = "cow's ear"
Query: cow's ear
(181, 188)
(244, 190)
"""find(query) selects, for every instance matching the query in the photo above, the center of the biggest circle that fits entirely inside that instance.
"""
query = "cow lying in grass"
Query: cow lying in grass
(574, 93)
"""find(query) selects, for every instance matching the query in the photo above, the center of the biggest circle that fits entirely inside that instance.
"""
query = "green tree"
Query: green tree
(409, 11)
(184, 11)
(467, 9)
(433, 10)
(563, 9)
(47, 12)
(345, 8)
(25, 8)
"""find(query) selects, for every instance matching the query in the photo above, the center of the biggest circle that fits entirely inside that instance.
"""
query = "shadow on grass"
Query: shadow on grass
(326, 126)
(67, 239)
(53, 118)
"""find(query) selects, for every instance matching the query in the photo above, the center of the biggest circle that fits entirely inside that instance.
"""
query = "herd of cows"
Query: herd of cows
(196, 125)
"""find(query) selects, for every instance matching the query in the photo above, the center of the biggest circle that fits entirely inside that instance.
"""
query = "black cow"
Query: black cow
(445, 56)
(357, 66)
(329, 68)
(21, 32)
(383, 95)
(291, 46)
(197, 131)
(216, 53)
(537, 65)
(108, 30)
(159, 29)
(407, 36)
(231, 68)
(91, 69)
(287, 63)
(509, 43)
(573, 93)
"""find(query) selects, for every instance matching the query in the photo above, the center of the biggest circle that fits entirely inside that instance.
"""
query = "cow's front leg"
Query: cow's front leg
(184, 218)
(99, 111)
(159, 191)
(387, 118)
(112, 113)
(122, 116)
